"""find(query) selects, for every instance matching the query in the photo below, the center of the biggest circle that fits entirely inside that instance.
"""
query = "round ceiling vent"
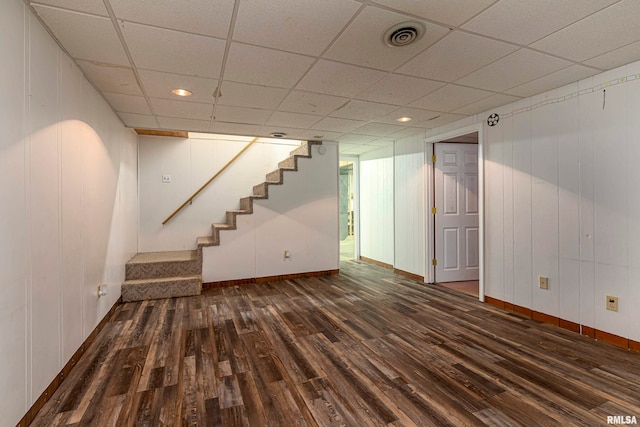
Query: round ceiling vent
(404, 33)
(278, 134)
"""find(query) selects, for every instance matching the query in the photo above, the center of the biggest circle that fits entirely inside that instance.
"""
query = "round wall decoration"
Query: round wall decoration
(493, 119)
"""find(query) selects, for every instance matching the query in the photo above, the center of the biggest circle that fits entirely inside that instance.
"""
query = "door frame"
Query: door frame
(356, 201)
(430, 200)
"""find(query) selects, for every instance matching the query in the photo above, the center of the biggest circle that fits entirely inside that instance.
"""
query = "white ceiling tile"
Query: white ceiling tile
(355, 139)
(451, 12)
(455, 56)
(416, 114)
(158, 84)
(111, 78)
(205, 17)
(378, 129)
(268, 67)
(127, 103)
(172, 51)
(486, 104)
(597, 34)
(293, 120)
(305, 26)
(225, 113)
(138, 121)
(363, 41)
(615, 58)
(440, 120)
(409, 131)
(182, 109)
(184, 125)
(248, 95)
(98, 41)
(513, 70)
(363, 110)
(450, 97)
(235, 128)
(95, 7)
(305, 134)
(399, 90)
(559, 78)
(311, 103)
(337, 125)
(524, 21)
(333, 78)
(382, 142)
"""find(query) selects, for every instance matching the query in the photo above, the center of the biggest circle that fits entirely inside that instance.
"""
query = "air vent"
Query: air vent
(278, 134)
(404, 34)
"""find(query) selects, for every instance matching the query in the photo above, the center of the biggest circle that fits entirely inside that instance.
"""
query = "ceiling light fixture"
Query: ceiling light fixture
(181, 92)
(404, 119)
(404, 33)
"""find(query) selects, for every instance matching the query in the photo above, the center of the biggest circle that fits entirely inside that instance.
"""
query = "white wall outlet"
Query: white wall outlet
(543, 282)
(287, 254)
(166, 179)
(612, 303)
(102, 290)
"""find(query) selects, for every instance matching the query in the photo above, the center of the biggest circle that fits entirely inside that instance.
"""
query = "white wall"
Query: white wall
(376, 205)
(67, 208)
(409, 198)
(300, 216)
(561, 200)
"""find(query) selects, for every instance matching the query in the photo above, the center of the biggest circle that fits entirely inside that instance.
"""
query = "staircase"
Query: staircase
(154, 275)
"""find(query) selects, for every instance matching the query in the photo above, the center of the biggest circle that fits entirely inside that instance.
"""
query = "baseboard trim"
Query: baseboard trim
(378, 263)
(596, 334)
(64, 373)
(265, 279)
(409, 275)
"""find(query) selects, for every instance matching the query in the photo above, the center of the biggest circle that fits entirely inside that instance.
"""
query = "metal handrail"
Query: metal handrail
(190, 199)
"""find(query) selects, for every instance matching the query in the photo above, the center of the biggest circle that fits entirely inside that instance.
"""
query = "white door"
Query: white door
(456, 217)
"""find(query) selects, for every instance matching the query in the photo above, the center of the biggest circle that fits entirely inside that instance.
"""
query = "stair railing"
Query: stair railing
(193, 196)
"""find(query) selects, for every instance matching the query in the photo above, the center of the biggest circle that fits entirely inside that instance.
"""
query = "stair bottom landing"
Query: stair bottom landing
(167, 287)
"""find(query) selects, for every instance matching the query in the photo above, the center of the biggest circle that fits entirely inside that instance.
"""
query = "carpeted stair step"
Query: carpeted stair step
(156, 265)
(166, 287)
(289, 164)
(275, 176)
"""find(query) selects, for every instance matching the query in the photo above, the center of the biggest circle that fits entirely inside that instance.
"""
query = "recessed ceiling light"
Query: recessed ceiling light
(181, 92)
(404, 119)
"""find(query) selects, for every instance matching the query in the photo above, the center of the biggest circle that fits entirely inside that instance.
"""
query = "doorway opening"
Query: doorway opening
(348, 208)
(456, 211)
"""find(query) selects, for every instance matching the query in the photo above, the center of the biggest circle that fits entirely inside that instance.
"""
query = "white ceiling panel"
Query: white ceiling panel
(363, 110)
(182, 109)
(174, 123)
(311, 103)
(301, 133)
(293, 120)
(440, 120)
(138, 121)
(352, 138)
(333, 78)
(604, 31)
(409, 131)
(268, 67)
(95, 7)
(615, 58)
(248, 95)
(108, 78)
(310, 24)
(398, 90)
(99, 42)
(235, 128)
(553, 80)
(337, 125)
(363, 41)
(225, 113)
(172, 51)
(416, 114)
(451, 12)
(127, 103)
(472, 52)
(450, 97)
(525, 21)
(378, 129)
(206, 17)
(513, 70)
(382, 142)
(486, 104)
(158, 84)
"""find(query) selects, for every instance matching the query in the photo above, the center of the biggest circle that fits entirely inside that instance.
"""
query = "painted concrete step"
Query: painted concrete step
(167, 287)
(155, 265)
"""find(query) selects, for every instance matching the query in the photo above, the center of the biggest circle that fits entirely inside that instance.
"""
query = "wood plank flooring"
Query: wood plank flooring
(363, 348)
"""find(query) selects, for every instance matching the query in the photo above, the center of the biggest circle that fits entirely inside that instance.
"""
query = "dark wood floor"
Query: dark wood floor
(365, 347)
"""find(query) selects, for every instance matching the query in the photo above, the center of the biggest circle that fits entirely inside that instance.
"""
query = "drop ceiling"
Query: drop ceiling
(321, 70)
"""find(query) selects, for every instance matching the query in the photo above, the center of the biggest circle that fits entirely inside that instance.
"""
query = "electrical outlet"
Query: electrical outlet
(166, 179)
(287, 254)
(543, 282)
(612, 303)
